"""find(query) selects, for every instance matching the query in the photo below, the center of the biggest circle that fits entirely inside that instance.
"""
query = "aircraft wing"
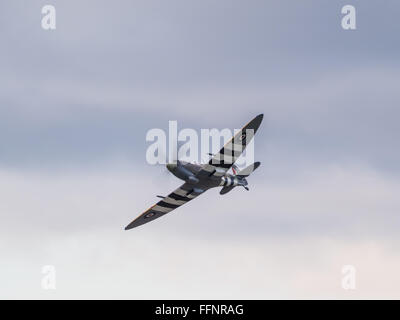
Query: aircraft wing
(174, 200)
(235, 147)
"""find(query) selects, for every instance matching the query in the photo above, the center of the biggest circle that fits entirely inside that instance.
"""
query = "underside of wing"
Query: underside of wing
(235, 147)
(174, 200)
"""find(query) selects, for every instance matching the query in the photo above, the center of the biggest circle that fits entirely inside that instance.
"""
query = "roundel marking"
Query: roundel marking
(149, 215)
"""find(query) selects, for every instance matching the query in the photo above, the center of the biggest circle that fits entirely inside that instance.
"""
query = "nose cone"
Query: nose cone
(171, 166)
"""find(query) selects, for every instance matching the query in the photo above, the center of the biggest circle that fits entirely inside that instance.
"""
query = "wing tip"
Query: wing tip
(132, 225)
(255, 123)
(128, 227)
(259, 118)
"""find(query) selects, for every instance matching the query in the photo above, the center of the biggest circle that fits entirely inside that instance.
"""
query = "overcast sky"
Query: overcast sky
(76, 104)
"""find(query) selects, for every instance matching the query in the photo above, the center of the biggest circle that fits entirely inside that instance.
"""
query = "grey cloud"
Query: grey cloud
(349, 117)
(185, 44)
(110, 71)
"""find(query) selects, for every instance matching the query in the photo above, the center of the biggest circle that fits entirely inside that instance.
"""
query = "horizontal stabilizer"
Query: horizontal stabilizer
(226, 189)
(249, 170)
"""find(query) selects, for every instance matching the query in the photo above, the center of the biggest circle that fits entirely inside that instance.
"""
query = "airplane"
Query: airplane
(201, 177)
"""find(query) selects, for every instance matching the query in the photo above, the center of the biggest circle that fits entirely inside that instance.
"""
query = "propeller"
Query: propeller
(165, 173)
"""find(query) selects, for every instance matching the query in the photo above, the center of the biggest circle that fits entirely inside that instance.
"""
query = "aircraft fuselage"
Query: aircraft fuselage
(191, 173)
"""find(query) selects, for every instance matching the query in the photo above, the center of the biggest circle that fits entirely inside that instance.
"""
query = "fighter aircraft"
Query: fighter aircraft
(201, 177)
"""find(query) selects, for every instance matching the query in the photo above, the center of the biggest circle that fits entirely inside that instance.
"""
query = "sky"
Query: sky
(76, 104)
